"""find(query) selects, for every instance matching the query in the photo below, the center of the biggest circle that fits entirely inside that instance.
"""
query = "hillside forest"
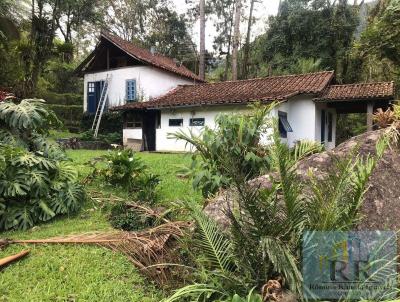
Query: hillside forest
(43, 41)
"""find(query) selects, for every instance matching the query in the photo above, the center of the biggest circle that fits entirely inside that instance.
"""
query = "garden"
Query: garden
(116, 225)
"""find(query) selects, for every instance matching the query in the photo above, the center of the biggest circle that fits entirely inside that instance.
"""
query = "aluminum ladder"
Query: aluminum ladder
(101, 106)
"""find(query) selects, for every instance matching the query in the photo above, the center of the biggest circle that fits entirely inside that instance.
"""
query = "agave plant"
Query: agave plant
(36, 180)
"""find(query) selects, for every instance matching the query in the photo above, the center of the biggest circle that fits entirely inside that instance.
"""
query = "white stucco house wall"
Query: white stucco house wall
(133, 74)
(159, 96)
(307, 109)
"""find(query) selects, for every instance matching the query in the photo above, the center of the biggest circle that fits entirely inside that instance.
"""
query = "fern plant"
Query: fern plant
(36, 180)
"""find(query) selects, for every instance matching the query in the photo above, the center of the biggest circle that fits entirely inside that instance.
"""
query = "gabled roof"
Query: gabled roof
(239, 92)
(145, 56)
(361, 91)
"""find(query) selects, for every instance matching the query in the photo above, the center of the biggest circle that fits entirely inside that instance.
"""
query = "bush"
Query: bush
(109, 138)
(236, 135)
(127, 171)
(36, 180)
(111, 122)
(126, 218)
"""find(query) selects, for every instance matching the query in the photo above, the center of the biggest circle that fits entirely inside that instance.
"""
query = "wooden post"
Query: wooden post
(370, 111)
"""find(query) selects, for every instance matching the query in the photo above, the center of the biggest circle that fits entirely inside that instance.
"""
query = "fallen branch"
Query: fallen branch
(143, 248)
(7, 260)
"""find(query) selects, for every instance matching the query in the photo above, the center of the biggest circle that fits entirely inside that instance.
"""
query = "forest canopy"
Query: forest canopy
(42, 41)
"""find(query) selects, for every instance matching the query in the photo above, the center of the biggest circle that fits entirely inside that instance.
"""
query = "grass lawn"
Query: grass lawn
(86, 273)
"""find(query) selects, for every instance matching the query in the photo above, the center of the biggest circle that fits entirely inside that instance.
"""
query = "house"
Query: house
(158, 96)
(307, 110)
(133, 74)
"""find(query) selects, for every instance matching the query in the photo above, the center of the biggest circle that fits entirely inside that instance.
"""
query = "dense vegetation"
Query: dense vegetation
(36, 180)
(41, 43)
(263, 239)
(92, 273)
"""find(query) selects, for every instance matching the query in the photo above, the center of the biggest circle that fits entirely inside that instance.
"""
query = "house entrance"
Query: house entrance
(151, 121)
(93, 95)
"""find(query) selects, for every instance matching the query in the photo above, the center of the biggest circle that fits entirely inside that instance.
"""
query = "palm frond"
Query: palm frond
(212, 242)
(305, 148)
(196, 292)
(143, 248)
(283, 260)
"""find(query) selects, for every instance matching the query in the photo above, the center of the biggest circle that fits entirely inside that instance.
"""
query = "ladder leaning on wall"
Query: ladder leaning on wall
(101, 106)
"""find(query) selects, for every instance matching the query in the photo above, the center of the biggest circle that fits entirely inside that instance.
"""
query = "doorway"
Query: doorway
(150, 123)
(93, 95)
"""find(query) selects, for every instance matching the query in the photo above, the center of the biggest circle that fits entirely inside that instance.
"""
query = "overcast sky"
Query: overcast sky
(262, 9)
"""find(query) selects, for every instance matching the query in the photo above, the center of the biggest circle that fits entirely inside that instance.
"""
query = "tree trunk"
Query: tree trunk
(202, 40)
(247, 45)
(236, 37)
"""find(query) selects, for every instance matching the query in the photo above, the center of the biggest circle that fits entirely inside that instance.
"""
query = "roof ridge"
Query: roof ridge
(362, 83)
(141, 48)
(143, 54)
(264, 78)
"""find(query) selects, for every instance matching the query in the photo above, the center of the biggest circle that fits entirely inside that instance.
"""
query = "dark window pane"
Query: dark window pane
(176, 122)
(284, 126)
(196, 122)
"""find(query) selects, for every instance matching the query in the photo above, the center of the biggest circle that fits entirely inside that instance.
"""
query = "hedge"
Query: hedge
(63, 98)
(110, 122)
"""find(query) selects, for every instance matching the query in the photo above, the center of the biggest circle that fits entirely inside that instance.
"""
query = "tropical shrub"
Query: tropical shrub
(236, 136)
(36, 180)
(263, 241)
(109, 138)
(124, 217)
(125, 170)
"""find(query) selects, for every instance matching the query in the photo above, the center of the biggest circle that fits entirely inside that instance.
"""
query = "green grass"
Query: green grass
(171, 188)
(86, 273)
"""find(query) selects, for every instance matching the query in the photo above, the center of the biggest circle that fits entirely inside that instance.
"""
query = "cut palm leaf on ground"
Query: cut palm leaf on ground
(143, 249)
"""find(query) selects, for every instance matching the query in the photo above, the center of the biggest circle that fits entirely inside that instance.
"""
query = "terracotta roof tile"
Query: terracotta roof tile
(243, 91)
(361, 91)
(146, 56)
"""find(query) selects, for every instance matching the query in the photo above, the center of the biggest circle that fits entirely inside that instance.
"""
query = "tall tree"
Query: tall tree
(152, 23)
(236, 39)
(202, 39)
(306, 30)
(43, 31)
(246, 50)
(223, 11)
(127, 18)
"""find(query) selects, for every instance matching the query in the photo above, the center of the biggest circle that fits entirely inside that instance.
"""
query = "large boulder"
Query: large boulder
(381, 207)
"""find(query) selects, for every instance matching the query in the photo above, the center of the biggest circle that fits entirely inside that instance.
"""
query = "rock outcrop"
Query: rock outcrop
(381, 207)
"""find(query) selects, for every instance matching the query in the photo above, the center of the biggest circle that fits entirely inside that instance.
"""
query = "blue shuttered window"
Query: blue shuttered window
(130, 90)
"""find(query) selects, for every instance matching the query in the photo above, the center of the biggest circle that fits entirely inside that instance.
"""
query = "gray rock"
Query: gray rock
(381, 207)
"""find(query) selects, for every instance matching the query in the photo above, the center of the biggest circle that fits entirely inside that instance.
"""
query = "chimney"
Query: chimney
(153, 50)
